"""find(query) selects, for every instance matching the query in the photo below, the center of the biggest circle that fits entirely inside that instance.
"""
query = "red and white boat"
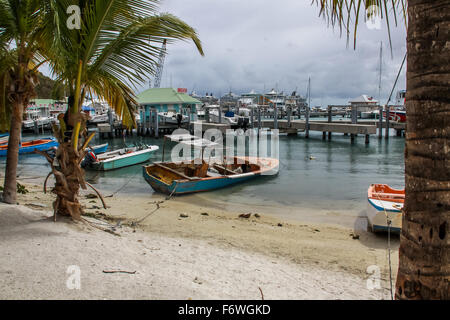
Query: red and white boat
(396, 115)
(385, 205)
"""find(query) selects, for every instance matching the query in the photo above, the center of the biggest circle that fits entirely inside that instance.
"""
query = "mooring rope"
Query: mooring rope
(388, 222)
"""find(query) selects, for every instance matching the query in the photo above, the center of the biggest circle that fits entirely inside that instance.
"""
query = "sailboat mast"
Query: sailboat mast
(381, 66)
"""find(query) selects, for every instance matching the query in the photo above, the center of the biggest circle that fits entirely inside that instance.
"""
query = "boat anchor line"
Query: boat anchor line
(389, 223)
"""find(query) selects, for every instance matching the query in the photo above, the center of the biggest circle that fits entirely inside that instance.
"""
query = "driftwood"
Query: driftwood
(119, 271)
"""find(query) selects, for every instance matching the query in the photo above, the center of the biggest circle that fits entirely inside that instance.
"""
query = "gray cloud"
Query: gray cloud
(257, 44)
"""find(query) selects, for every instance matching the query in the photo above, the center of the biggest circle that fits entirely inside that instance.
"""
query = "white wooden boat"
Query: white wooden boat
(384, 208)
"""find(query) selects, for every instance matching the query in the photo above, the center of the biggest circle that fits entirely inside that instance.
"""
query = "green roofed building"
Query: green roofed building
(165, 100)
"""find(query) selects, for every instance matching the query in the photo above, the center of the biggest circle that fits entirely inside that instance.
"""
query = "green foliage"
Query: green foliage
(20, 189)
(47, 88)
(111, 51)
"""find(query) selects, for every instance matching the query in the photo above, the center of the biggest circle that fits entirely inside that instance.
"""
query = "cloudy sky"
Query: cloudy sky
(262, 44)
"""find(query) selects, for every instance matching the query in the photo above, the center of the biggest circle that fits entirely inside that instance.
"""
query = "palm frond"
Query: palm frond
(340, 13)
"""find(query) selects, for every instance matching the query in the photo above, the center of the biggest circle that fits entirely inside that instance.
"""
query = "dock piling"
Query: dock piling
(380, 121)
(387, 121)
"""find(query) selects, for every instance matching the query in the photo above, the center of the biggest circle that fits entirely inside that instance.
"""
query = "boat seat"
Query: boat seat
(213, 174)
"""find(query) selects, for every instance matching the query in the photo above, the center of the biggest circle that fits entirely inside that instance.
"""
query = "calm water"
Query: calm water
(331, 188)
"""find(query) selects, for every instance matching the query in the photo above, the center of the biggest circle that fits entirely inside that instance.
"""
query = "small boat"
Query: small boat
(30, 146)
(119, 158)
(396, 115)
(4, 138)
(101, 148)
(176, 179)
(171, 117)
(385, 204)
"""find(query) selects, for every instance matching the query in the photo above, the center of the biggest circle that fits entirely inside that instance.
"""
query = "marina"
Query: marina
(238, 150)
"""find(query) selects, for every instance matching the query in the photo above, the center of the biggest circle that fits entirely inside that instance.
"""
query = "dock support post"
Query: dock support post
(380, 122)
(156, 124)
(387, 121)
(329, 114)
(189, 115)
(367, 139)
(352, 138)
(289, 112)
(275, 117)
(151, 122)
(307, 122)
(329, 120)
(324, 135)
(354, 115)
(259, 118)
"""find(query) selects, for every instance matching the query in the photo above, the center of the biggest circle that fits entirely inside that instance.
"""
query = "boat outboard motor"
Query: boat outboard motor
(89, 159)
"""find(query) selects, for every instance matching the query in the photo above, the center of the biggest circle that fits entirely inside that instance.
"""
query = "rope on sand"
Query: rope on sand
(389, 223)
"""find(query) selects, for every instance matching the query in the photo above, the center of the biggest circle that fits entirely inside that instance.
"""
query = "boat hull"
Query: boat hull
(380, 212)
(45, 145)
(184, 186)
(124, 161)
(396, 115)
(100, 148)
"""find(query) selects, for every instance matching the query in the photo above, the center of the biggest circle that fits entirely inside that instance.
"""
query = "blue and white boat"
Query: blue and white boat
(120, 158)
(30, 146)
(384, 209)
(177, 179)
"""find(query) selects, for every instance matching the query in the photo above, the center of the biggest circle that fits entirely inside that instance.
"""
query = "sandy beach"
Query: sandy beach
(181, 251)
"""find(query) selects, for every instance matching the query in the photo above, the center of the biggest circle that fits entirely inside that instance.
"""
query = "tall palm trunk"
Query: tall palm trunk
(424, 265)
(12, 159)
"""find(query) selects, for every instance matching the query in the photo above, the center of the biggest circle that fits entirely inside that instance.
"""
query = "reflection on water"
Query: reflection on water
(332, 176)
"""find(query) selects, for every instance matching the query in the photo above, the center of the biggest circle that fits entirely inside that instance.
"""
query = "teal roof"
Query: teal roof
(42, 101)
(165, 96)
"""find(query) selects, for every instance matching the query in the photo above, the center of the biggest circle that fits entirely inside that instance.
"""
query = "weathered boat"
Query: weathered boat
(385, 208)
(120, 158)
(31, 146)
(176, 179)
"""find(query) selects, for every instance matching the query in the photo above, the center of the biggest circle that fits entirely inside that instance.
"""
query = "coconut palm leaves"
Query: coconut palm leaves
(341, 12)
(111, 50)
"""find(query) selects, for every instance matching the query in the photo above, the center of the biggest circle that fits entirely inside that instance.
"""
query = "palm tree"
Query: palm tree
(7, 57)
(20, 48)
(108, 54)
(424, 264)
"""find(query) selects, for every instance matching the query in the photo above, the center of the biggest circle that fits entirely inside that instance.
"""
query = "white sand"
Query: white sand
(36, 252)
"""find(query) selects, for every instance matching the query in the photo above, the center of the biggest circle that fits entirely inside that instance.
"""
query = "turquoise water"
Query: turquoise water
(319, 180)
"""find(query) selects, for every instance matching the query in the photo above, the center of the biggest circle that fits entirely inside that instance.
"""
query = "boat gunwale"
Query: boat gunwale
(127, 155)
(196, 179)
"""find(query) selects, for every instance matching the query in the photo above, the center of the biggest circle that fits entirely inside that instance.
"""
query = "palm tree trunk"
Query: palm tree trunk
(12, 159)
(424, 264)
